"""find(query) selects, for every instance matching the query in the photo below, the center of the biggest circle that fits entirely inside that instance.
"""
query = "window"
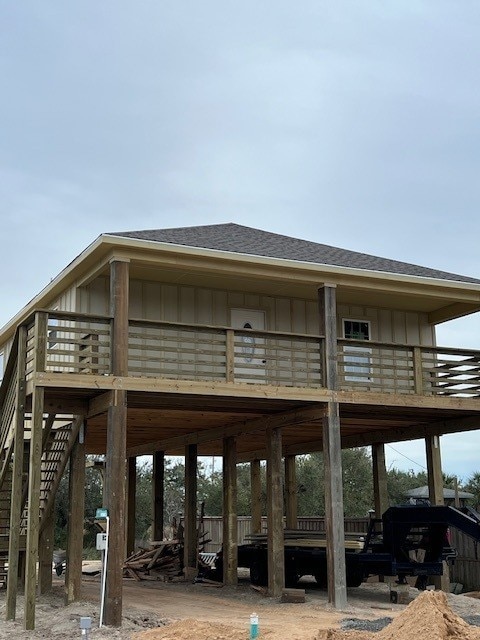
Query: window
(2, 364)
(357, 359)
(52, 331)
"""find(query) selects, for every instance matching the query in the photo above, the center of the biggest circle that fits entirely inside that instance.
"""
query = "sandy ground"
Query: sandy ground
(153, 604)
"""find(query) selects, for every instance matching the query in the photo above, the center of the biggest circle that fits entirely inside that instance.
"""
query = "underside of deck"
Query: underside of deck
(168, 420)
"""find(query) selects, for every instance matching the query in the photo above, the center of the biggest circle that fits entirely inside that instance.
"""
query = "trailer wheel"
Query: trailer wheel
(258, 573)
(321, 580)
(354, 577)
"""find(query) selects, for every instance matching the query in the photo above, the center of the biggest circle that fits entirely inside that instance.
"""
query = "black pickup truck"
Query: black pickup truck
(406, 541)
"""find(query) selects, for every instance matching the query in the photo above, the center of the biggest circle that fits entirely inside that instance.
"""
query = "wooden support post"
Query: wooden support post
(45, 556)
(33, 524)
(380, 491)
(115, 472)
(230, 535)
(131, 505)
(434, 470)
(332, 454)
(275, 536)
(17, 481)
(34, 472)
(290, 493)
(76, 515)
(256, 496)
(158, 494)
(230, 355)
(435, 491)
(190, 557)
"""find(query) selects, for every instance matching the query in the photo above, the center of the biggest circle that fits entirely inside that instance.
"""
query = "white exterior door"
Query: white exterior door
(249, 349)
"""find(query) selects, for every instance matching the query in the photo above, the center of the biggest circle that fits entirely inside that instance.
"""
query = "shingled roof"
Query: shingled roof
(235, 238)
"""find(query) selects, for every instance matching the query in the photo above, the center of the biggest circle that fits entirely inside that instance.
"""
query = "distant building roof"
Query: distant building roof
(422, 492)
(235, 238)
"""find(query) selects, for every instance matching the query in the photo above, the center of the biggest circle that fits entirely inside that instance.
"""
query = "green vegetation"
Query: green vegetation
(357, 485)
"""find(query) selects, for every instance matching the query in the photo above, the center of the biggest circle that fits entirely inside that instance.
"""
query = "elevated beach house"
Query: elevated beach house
(219, 340)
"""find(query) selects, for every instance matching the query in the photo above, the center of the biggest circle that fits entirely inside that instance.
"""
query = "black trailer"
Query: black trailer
(407, 541)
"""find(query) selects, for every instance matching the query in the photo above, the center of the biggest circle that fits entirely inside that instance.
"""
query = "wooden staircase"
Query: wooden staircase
(57, 443)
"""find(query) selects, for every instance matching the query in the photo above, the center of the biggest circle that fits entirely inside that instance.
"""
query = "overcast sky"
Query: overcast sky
(354, 124)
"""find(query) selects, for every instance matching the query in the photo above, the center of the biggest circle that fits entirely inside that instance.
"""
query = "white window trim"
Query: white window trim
(361, 362)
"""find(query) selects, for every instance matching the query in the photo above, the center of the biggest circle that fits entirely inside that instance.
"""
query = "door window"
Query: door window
(357, 359)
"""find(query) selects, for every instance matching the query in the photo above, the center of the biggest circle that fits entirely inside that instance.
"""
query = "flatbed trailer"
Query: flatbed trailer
(406, 541)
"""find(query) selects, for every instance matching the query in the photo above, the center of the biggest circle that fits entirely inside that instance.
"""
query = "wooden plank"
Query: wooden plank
(230, 544)
(435, 491)
(328, 327)
(17, 482)
(275, 550)
(158, 494)
(190, 506)
(119, 296)
(291, 500)
(256, 496)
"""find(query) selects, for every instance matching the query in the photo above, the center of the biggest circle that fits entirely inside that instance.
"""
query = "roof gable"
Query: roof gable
(235, 238)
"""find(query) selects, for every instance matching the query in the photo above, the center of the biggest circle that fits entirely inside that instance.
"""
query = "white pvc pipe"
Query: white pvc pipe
(104, 573)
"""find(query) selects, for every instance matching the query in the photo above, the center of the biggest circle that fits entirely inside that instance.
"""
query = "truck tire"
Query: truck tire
(258, 573)
(321, 580)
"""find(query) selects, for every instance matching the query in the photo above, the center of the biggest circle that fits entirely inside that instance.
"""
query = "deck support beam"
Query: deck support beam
(17, 481)
(332, 453)
(115, 472)
(380, 491)
(131, 506)
(33, 523)
(45, 555)
(190, 558)
(76, 515)
(291, 502)
(435, 493)
(256, 496)
(275, 537)
(158, 494)
(230, 541)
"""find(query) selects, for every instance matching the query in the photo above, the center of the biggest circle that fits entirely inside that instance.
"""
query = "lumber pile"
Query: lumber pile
(162, 561)
(302, 538)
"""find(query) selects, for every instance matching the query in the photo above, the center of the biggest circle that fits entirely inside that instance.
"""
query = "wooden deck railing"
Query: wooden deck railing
(81, 343)
(404, 369)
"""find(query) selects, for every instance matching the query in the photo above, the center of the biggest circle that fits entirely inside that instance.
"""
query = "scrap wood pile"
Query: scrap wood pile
(162, 561)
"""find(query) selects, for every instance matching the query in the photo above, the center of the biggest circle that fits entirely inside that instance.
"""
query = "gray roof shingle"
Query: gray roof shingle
(236, 238)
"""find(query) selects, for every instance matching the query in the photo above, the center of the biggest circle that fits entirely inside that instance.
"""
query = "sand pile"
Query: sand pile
(188, 629)
(428, 616)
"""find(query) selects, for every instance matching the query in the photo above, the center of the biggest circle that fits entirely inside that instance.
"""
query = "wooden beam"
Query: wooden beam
(131, 506)
(380, 491)
(76, 515)
(34, 472)
(33, 523)
(328, 328)
(158, 494)
(334, 518)
(398, 434)
(45, 556)
(256, 496)
(190, 511)
(280, 419)
(434, 470)
(115, 473)
(17, 480)
(230, 543)
(275, 543)
(100, 404)
(291, 496)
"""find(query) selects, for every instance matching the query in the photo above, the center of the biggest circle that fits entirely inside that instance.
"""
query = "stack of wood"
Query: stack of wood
(303, 538)
(161, 561)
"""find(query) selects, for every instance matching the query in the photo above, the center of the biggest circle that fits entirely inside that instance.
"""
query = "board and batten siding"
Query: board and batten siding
(176, 303)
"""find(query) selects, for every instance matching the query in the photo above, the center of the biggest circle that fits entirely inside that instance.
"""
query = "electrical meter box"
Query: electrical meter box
(101, 541)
